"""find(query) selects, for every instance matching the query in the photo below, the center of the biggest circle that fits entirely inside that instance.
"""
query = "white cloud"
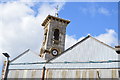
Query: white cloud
(20, 29)
(104, 11)
(94, 10)
(18, 24)
(70, 40)
(110, 37)
(91, 10)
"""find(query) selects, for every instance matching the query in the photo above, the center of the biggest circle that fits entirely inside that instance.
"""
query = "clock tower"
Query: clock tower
(54, 36)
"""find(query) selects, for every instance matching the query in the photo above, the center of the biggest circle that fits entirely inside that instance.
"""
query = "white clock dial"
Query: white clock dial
(54, 52)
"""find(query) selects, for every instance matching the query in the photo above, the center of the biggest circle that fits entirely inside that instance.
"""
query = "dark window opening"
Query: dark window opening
(56, 34)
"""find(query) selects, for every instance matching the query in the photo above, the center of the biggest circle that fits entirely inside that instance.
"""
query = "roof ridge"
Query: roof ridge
(20, 55)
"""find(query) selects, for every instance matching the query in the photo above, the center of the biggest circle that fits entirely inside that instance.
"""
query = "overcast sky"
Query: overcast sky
(20, 23)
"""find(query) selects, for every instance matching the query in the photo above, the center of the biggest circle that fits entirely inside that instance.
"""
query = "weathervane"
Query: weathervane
(57, 8)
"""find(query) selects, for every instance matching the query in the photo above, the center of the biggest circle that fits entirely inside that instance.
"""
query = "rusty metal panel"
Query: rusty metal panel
(65, 73)
(114, 73)
(25, 74)
(79, 73)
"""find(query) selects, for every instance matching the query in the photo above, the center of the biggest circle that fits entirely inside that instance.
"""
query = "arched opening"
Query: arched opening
(56, 34)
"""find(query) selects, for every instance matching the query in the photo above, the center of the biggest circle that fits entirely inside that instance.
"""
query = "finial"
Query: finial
(57, 8)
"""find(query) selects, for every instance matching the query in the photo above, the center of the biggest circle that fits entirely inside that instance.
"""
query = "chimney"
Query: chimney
(117, 48)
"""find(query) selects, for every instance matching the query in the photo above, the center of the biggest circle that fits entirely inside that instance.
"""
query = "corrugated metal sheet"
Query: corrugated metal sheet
(66, 65)
(29, 56)
(65, 73)
(88, 50)
(25, 74)
(81, 73)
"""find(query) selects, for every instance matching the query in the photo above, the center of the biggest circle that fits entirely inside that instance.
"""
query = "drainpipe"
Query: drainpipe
(43, 73)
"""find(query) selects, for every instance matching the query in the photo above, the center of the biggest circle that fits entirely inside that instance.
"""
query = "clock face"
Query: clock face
(54, 52)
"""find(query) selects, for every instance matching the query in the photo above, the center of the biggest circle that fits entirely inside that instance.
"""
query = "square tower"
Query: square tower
(54, 36)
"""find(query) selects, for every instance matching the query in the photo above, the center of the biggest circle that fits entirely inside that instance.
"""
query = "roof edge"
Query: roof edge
(44, 22)
(20, 55)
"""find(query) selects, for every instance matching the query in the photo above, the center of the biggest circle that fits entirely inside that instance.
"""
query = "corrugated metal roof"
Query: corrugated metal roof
(67, 65)
(88, 49)
(20, 55)
(66, 49)
(78, 43)
(28, 56)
